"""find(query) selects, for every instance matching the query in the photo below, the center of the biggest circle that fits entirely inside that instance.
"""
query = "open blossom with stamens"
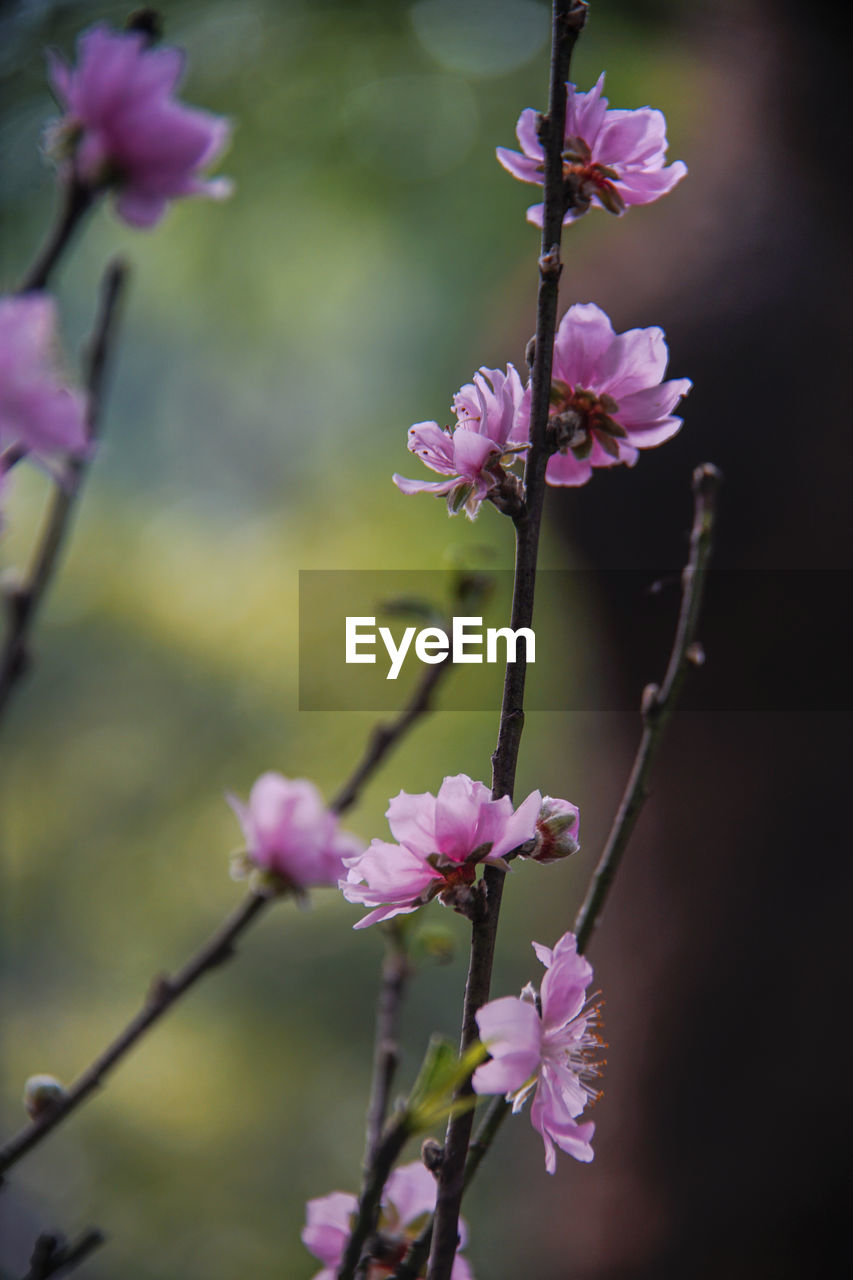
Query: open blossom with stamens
(41, 415)
(611, 159)
(291, 836)
(547, 1045)
(409, 1195)
(442, 839)
(608, 397)
(487, 438)
(123, 128)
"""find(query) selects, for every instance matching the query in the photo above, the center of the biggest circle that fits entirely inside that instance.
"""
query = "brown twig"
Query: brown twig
(218, 948)
(162, 995)
(24, 602)
(658, 702)
(51, 1255)
(386, 736)
(77, 200)
(386, 1050)
(568, 17)
(375, 1177)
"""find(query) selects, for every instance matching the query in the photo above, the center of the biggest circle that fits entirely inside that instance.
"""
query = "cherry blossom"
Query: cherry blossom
(608, 397)
(611, 159)
(547, 1045)
(441, 839)
(291, 835)
(41, 415)
(409, 1195)
(474, 455)
(123, 128)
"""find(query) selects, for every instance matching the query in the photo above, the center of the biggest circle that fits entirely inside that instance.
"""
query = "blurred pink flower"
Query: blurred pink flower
(441, 840)
(40, 414)
(291, 835)
(409, 1194)
(607, 395)
(124, 129)
(611, 159)
(547, 1043)
(486, 439)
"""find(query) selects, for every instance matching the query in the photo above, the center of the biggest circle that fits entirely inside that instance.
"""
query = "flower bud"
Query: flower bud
(41, 1094)
(557, 829)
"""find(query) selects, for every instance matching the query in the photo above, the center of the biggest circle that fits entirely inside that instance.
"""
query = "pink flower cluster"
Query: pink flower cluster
(409, 1195)
(608, 401)
(488, 436)
(441, 841)
(42, 416)
(547, 1044)
(291, 837)
(123, 128)
(611, 159)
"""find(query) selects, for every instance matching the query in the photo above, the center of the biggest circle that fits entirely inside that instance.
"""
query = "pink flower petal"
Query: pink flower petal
(519, 827)
(412, 821)
(582, 347)
(521, 167)
(566, 469)
(526, 132)
(411, 1190)
(457, 816)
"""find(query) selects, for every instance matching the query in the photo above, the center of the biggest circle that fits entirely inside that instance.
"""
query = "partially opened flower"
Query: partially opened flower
(547, 1045)
(557, 831)
(608, 397)
(123, 128)
(486, 440)
(442, 839)
(611, 159)
(291, 837)
(409, 1195)
(41, 415)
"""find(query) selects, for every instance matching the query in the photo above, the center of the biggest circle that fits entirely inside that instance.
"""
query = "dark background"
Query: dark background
(276, 349)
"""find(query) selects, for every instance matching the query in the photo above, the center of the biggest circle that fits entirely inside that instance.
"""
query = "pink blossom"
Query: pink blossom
(123, 128)
(41, 415)
(486, 439)
(608, 399)
(611, 159)
(441, 840)
(291, 835)
(409, 1194)
(547, 1044)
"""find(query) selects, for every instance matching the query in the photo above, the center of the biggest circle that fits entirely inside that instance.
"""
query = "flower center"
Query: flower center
(583, 1055)
(584, 178)
(579, 418)
(463, 873)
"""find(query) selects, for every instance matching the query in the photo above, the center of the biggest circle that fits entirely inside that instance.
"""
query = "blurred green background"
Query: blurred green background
(274, 351)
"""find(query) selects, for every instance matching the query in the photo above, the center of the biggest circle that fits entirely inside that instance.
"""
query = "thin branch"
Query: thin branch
(658, 703)
(162, 995)
(386, 1051)
(219, 948)
(25, 601)
(568, 18)
(386, 736)
(51, 1256)
(376, 1175)
(77, 200)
